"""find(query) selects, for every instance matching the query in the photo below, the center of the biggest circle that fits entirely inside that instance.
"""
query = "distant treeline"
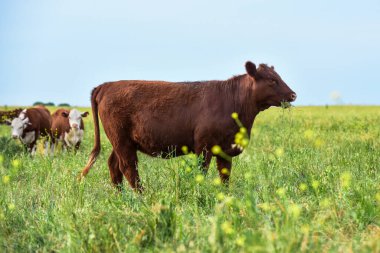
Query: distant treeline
(50, 104)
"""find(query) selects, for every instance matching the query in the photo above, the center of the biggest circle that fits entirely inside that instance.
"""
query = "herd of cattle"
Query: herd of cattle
(161, 118)
(29, 124)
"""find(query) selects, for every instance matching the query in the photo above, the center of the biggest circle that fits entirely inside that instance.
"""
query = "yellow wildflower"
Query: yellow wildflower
(345, 179)
(227, 228)
(185, 149)
(216, 150)
(244, 143)
(6, 179)
(305, 229)
(279, 152)
(325, 203)
(15, 163)
(229, 200)
(225, 171)
(217, 181)
(240, 241)
(243, 130)
(319, 143)
(199, 178)
(315, 184)
(303, 187)
(377, 196)
(294, 210)
(309, 134)
(11, 206)
(220, 196)
(238, 138)
(281, 191)
(264, 206)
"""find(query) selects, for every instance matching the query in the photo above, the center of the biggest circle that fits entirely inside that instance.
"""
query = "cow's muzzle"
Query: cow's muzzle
(292, 97)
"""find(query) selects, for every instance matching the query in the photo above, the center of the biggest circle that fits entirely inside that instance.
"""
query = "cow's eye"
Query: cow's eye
(273, 82)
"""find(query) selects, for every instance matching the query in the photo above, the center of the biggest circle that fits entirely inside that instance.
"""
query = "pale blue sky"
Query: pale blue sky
(58, 50)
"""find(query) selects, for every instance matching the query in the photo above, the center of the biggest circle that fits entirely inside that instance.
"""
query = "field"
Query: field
(309, 181)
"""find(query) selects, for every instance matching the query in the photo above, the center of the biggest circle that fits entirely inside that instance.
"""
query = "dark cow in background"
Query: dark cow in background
(67, 127)
(158, 118)
(30, 125)
(9, 115)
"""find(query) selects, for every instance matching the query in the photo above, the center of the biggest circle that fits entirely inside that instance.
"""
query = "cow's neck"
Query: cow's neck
(248, 108)
(244, 101)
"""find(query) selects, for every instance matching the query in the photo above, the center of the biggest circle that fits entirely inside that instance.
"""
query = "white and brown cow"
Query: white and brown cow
(68, 127)
(30, 125)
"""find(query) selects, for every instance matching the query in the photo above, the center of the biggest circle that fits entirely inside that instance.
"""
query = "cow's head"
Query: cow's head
(75, 118)
(18, 125)
(269, 88)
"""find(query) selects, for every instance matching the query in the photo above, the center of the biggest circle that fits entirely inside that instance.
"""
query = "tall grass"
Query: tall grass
(308, 181)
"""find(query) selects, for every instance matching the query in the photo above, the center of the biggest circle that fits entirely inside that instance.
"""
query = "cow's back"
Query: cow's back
(40, 119)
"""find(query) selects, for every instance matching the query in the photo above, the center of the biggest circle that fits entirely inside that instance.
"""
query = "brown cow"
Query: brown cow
(9, 115)
(67, 127)
(30, 125)
(158, 118)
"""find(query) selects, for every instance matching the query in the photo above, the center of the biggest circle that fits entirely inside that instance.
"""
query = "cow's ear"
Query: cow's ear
(250, 67)
(65, 114)
(84, 114)
(8, 122)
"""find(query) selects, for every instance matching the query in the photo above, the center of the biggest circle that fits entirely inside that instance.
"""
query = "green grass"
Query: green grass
(309, 181)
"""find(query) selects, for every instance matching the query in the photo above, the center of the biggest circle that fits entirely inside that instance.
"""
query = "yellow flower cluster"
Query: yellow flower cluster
(281, 192)
(227, 228)
(6, 179)
(294, 210)
(216, 150)
(16, 163)
(345, 179)
(199, 178)
(303, 187)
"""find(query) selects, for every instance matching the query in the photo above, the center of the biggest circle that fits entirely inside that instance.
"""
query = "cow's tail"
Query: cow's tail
(96, 150)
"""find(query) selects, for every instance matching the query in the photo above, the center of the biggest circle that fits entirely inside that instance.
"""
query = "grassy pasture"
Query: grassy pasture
(308, 182)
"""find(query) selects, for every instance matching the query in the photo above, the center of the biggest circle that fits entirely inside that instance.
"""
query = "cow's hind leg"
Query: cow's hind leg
(116, 175)
(224, 168)
(127, 155)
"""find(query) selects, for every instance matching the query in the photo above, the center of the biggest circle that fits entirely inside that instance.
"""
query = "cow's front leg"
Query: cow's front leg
(224, 168)
(32, 147)
(77, 146)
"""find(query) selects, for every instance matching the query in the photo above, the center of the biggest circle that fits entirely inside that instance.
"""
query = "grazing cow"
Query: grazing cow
(67, 127)
(9, 115)
(158, 118)
(30, 125)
